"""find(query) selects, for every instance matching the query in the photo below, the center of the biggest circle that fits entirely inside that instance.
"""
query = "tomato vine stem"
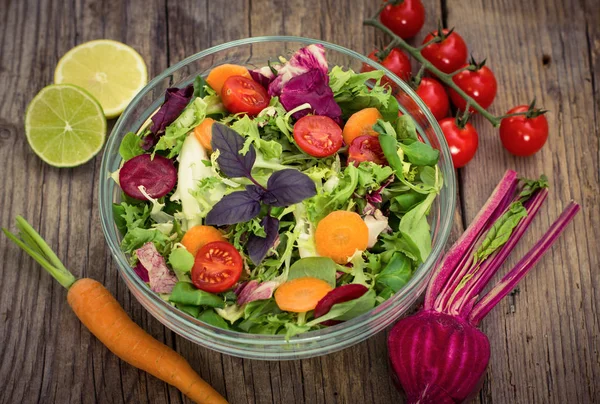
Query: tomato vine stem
(443, 77)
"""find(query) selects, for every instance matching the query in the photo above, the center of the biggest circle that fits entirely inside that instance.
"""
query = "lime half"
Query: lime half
(65, 125)
(111, 71)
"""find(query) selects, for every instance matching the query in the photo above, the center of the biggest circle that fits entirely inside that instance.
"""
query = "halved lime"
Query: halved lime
(65, 125)
(111, 71)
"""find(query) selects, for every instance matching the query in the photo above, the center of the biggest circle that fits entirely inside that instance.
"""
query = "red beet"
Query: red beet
(157, 175)
(340, 294)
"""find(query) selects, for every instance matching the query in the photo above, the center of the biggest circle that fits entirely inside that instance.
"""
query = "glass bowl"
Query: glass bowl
(255, 52)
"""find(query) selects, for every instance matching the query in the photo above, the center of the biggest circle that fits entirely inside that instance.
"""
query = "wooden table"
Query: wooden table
(545, 339)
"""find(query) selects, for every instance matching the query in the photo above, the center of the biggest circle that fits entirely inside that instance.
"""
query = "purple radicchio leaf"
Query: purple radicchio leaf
(264, 75)
(160, 277)
(288, 187)
(234, 208)
(176, 99)
(305, 59)
(258, 247)
(142, 272)
(375, 196)
(311, 87)
(253, 290)
(229, 143)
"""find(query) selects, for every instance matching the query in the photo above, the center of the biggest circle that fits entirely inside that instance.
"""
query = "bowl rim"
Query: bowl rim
(420, 276)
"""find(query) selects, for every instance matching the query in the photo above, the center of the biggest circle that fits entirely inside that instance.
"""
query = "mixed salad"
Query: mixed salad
(277, 200)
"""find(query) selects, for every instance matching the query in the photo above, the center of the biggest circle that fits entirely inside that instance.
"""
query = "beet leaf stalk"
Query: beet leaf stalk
(438, 355)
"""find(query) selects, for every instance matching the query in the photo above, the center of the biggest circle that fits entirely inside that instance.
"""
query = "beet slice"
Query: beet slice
(340, 294)
(158, 175)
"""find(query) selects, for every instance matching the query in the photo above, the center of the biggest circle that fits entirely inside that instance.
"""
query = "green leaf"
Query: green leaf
(185, 293)
(248, 128)
(406, 201)
(182, 261)
(130, 146)
(420, 154)
(348, 310)
(390, 111)
(176, 132)
(120, 222)
(314, 267)
(406, 130)
(292, 329)
(395, 274)
(210, 317)
(137, 237)
(415, 229)
(389, 146)
(193, 311)
(501, 230)
(199, 84)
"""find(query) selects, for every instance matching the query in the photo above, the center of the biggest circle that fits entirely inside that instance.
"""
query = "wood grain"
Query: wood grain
(545, 339)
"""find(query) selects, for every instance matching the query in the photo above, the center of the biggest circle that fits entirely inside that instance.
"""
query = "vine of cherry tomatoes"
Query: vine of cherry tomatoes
(523, 130)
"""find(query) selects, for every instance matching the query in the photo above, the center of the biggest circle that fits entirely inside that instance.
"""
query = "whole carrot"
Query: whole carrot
(100, 312)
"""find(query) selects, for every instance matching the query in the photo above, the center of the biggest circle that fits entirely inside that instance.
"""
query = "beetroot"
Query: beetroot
(439, 355)
(341, 294)
(157, 175)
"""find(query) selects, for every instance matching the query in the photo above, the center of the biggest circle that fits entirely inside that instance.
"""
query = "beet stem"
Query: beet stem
(508, 283)
(490, 266)
(446, 268)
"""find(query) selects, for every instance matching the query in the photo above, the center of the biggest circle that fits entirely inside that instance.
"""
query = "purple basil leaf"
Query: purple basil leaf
(234, 208)
(287, 187)
(258, 247)
(311, 87)
(176, 99)
(257, 193)
(229, 143)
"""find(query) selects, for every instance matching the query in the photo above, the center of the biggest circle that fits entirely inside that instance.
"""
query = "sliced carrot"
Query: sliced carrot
(203, 133)
(361, 123)
(217, 76)
(340, 234)
(196, 237)
(301, 294)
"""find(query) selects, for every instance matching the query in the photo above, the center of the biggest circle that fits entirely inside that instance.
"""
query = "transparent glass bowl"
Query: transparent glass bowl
(255, 52)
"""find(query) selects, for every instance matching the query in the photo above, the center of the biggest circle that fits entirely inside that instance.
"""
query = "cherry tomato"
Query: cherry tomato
(462, 142)
(396, 61)
(405, 19)
(217, 267)
(480, 85)
(434, 96)
(448, 55)
(366, 148)
(318, 135)
(241, 94)
(523, 136)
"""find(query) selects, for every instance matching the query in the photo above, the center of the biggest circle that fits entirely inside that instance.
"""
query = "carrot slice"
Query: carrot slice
(301, 294)
(203, 133)
(361, 123)
(340, 234)
(217, 76)
(196, 237)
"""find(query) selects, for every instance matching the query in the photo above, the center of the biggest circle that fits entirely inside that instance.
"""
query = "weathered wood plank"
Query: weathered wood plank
(544, 339)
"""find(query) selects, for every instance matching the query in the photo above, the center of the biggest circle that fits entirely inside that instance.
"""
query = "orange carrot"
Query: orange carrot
(195, 238)
(361, 123)
(101, 313)
(301, 294)
(217, 76)
(203, 133)
(340, 234)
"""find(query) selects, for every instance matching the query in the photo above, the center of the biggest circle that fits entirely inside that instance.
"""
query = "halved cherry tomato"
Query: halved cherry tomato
(480, 85)
(366, 148)
(434, 96)
(405, 19)
(241, 94)
(217, 267)
(318, 135)
(449, 55)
